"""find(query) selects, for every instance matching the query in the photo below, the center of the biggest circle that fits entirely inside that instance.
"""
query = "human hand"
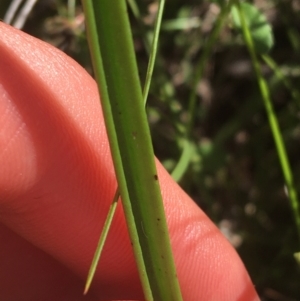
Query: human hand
(56, 184)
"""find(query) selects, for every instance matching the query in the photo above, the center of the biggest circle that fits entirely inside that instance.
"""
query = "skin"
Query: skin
(57, 181)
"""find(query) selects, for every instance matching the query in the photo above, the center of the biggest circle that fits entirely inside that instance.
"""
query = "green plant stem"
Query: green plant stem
(116, 73)
(102, 239)
(153, 50)
(96, 56)
(280, 146)
(113, 206)
(184, 160)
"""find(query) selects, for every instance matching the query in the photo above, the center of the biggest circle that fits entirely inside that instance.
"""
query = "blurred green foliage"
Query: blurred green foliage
(234, 173)
(258, 25)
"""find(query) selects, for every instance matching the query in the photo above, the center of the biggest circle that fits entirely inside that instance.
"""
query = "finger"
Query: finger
(57, 182)
(29, 274)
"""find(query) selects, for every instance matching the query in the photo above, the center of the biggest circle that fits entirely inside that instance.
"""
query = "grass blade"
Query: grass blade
(113, 206)
(122, 102)
(153, 50)
(102, 239)
(274, 125)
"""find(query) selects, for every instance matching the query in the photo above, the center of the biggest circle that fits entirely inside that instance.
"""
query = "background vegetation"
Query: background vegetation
(234, 174)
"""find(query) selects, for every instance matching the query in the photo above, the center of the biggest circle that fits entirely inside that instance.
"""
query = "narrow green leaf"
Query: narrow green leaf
(273, 121)
(102, 239)
(153, 50)
(96, 56)
(113, 206)
(116, 72)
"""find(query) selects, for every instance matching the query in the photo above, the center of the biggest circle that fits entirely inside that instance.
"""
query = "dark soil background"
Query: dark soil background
(234, 174)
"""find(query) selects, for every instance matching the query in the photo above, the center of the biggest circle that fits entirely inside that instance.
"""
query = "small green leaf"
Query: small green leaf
(261, 30)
